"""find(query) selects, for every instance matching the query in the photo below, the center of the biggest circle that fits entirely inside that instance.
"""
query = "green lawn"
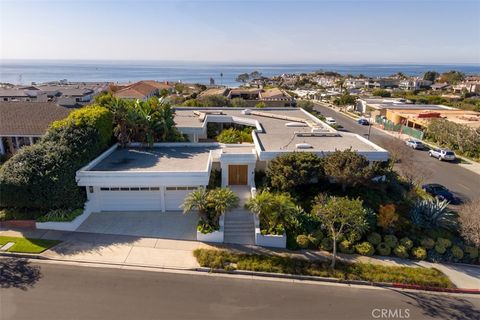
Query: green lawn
(222, 259)
(26, 245)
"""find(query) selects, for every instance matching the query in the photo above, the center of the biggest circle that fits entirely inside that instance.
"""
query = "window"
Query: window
(182, 188)
(104, 189)
(144, 188)
(134, 189)
(154, 188)
(124, 189)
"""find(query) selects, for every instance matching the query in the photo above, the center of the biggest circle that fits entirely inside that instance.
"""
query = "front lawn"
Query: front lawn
(222, 259)
(26, 245)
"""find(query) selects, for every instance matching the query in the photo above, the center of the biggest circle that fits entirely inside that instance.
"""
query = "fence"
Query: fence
(390, 126)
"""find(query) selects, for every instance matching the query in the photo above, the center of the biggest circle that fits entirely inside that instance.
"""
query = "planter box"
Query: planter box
(215, 236)
(65, 225)
(270, 240)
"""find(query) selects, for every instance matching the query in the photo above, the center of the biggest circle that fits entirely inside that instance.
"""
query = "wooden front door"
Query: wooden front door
(237, 174)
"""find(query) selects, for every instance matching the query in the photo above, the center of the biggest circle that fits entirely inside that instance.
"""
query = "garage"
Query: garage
(174, 197)
(126, 199)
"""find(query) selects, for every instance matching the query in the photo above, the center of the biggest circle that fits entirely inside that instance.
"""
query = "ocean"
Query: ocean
(26, 72)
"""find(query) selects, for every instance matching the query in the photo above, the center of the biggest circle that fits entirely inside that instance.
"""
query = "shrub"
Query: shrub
(260, 105)
(390, 240)
(457, 252)
(428, 243)
(232, 135)
(374, 238)
(407, 243)
(316, 237)
(365, 249)
(346, 246)
(432, 214)
(444, 242)
(400, 251)
(326, 244)
(303, 241)
(387, 216)
(472, 252)
(419, 253)
(60, 215)
(440, 249)
(383, 249)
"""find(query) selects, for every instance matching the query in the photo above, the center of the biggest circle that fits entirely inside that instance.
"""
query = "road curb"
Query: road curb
(339, 281)
(266, 275)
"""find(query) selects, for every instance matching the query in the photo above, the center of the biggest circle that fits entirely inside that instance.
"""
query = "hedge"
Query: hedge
(42, 176)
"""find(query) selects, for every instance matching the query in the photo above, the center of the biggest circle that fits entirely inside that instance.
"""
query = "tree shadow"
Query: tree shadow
(442, 306)
(18, 273)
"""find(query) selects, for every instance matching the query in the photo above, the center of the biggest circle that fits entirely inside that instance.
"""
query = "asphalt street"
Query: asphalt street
(462, 182)
(54, 291)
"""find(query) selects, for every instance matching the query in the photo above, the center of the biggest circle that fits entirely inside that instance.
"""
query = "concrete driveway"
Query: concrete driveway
(168, 225)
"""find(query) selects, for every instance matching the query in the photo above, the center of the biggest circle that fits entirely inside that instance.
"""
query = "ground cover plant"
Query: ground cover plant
(222, 259)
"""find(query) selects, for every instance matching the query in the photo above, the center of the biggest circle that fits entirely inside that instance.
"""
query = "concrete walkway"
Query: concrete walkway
(177, 254)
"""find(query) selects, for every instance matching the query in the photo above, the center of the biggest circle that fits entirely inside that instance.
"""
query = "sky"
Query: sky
(338, 31)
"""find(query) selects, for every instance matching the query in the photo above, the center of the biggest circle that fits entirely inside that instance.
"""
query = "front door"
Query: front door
(238, 174)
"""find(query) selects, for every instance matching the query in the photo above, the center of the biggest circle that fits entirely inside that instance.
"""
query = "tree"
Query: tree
(275, 211)
(348, 168)
(340, 216)
(344, 100)
(232, 135)
(197, 200)
(381, 93)
(214, 101)
(452, 77)
(469, 217)
(292, 171)
(244, 77)
(431, 76)
(221, 200)
(255, 74)
(238, 103)
(306, 105)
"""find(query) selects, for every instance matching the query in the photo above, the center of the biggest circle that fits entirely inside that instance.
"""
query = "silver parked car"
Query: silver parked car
(442, 154)
(415, 144)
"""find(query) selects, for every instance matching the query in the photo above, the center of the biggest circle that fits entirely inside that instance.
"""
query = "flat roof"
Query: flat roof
(276, 135)
(157, 159)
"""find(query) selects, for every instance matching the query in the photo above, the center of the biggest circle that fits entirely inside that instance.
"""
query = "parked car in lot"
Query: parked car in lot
(363, 122)
(438, 191)
(330, 121)
(415, 144)
(442, 154)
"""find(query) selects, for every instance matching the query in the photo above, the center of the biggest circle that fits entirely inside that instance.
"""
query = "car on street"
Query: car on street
(330, 121)
(442, 154)
(438, 191)
(415, 144)
(363, 122)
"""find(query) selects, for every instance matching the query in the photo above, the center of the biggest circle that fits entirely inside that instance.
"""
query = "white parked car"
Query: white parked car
(330, 121)
(442, 154)
(415, 144)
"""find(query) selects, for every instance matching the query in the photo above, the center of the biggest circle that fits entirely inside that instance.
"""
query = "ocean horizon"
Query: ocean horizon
(39, 71)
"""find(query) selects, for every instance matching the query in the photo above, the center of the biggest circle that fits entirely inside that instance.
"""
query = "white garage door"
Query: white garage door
(129, 199)
(174, 197)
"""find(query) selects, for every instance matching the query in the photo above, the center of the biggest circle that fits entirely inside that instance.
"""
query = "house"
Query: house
(365, 104)
(439, 86)
(158, 179)
(414, 84)
(23, 123)
(382, 83)
(143, 90)
(467, 86)
(421, 118)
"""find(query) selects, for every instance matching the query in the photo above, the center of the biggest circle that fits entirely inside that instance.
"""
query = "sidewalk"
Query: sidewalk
(177, 254)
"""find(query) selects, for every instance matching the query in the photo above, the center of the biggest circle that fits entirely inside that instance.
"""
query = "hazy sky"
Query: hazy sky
(243, 31)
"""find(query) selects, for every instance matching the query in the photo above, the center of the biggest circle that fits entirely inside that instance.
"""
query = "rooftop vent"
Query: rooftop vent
(295, 124)
(303, 146)
(246, 111)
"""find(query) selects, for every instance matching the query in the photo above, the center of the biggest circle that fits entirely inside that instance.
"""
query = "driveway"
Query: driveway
(167, 225)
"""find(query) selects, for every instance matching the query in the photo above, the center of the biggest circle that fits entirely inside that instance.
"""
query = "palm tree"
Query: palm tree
(197, 200)
(221, 200)
(274, 210)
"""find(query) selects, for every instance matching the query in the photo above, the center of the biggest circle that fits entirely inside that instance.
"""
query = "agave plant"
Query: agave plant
(433, 213)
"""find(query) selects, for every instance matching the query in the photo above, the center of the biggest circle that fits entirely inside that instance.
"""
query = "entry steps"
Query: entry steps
(239, 227)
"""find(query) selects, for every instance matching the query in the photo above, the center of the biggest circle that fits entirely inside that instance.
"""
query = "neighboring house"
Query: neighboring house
(468, 86)
(382, 83)
(367, 104)
(421, 118)
(23, 123)
(143, 90)
(16, 95)
(414, 84)
(159, 179)
(439, 86)
(214, 92)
